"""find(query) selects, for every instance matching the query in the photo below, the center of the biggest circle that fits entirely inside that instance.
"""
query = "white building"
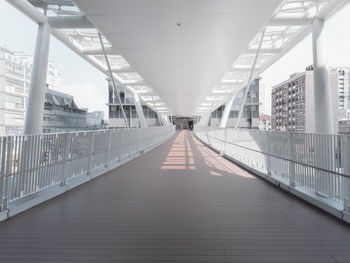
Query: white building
(53, 77)
(15, 72)
(293, 101)
(95, 120)
(264, 122)
(343, 74)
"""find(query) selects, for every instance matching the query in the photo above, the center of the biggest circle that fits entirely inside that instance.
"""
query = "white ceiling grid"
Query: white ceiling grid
(184, 57)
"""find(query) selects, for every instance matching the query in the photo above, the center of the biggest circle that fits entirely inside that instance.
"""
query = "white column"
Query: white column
(36, 99)
(116, 92)
(226, 114)
(165, 120)
(205, 119)
(139, 111)
(324, 107)
(155, 110)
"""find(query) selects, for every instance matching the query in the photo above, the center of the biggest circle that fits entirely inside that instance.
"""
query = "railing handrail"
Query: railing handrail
(279, 157)
(278, 132)
(77, 132)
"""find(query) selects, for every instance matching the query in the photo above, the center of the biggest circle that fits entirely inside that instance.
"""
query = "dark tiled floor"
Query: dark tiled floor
(178, 203)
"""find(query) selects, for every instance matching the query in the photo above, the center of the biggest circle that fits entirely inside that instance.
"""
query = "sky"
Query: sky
(78, 78)
(89, 87)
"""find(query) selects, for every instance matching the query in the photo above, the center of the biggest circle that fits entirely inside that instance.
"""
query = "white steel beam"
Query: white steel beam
(290, 22)
(249, 81)
(123, 70)
(264, 51)
(243, 69)
(165, 119)
(226, 113)
(98, 51)
(35, 15)
(116, 92)
(139, 111)
(60, 22)
(41, 3)
(30, 11)
(233, 81)
(156, 111)
(134, 83)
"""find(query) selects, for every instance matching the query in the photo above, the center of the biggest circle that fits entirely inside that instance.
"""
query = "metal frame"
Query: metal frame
(70, 26)
(291, 23)
(250, 80)
(228, 107)
(113, 81)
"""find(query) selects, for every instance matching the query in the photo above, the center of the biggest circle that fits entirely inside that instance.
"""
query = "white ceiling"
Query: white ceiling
(181, 48)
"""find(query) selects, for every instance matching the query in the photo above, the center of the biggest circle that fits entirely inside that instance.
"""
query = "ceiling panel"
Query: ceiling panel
(180, 47)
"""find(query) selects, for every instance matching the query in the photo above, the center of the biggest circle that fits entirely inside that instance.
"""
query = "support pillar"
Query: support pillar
(250, 79)
(323, 104)
(155, 110)
(205, 119)
(324, 109)
(139, 111)
(116, 92)
(36, 99)
(165, 120)
(226, 114)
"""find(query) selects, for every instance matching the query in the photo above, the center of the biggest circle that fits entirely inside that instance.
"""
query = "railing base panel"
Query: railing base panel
(3, 215)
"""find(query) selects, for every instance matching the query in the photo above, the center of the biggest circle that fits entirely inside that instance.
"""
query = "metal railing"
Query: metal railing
(316, 164)
(34, 163)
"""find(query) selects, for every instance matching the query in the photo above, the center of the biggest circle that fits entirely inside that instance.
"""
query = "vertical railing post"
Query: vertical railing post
(2, 171)
(66, 158)
(291, 156)
(268, 151)
(225, 140)
(121, 145)
(320, 161)
(109, 142)
(7, 171)
(91, 152)
(345, 157)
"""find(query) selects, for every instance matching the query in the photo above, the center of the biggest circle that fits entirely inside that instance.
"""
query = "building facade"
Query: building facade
(14, 86)
(292, 102)
(344, 126)
(95, 120)
(264, 122)
(116, 119)
(250, 115)
(15, 73)
(61, 114)
(343, 83)
(53, 77)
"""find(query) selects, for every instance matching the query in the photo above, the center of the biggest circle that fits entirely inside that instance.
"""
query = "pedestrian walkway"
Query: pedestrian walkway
(180, 202)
